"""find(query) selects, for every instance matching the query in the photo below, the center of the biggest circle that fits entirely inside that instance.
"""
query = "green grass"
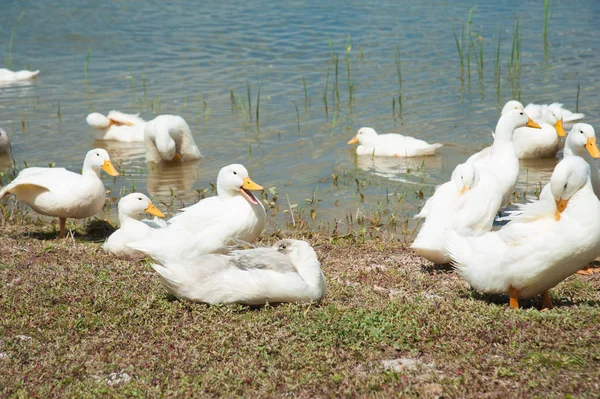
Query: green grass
(391, 325)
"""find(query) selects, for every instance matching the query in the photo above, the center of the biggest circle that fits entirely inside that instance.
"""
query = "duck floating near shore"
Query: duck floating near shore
(117, 126)
(390, 144)
(169, 138)
(6, 75)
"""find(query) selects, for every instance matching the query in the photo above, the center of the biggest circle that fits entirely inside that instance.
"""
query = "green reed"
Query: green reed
(546, 20)
(87, 65)
(297, 116)
(250, 102)
(257, 109)
(514, 62)
(350, 85)
(497, 71)
(577, 99)
(306, 100)
(9, 59)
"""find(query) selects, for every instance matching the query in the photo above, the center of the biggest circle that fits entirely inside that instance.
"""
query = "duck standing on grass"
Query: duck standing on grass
(60, 193)
(169, 138)
(391, 144)
(212, 224)
(130, 227)
(468, 204)
(547, 242)
(289, 271)
(117, 126)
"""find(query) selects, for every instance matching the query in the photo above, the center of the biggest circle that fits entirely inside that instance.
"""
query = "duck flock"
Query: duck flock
(196, 255)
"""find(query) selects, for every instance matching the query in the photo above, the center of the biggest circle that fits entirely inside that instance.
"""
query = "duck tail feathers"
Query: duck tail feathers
(97, 120)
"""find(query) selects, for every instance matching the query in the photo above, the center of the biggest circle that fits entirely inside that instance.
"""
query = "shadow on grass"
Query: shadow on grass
(527, 303)
(96, 231)
(436, 268)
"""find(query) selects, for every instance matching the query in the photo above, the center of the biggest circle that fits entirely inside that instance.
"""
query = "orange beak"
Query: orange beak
(592, 147)
(109, 168)
(152, 210)
(531, 123)
(560, 129)
(353, 141)
(561, 205)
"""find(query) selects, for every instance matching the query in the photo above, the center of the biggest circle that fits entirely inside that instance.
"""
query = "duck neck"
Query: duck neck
(127, 218)
(88, 170)
(309, 270)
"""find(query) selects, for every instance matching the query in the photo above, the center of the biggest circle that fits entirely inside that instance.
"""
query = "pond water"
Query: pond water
(203, 61)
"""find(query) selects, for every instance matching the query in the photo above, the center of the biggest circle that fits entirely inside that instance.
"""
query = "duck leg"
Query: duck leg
(585, 270)
(514, 297)
(546, 302)
(63, 227)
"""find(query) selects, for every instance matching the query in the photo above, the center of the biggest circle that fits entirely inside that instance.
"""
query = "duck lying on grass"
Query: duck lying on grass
(211, 224)
(289, 271)
(130, 227)
(61, 193)
(547, 242)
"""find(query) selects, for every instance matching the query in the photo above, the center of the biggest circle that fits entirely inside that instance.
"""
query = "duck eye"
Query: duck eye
(520, 113)
(565, 186)
(140, 198)
(234, 172)
(581, 131)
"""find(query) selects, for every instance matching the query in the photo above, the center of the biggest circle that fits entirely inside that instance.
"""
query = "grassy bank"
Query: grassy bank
(77, 322)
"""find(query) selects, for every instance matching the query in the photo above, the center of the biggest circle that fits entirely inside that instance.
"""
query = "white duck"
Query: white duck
(462, 179)
(61, 193)
(287, 272)
(552, 239)
(501, 158)
(130, 227)
(581, 141)
(6, 75)
(390, 145)
(212, 224)
(117, 126)
(539, 112)
(168, 138)
(469, 207)
(4, 142)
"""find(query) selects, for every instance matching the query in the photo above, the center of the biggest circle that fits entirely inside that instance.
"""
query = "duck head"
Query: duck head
(582, 139)
(511, 120)
(553, 116)
(98, 159)
(136, 204)
(569, 176)
(365, 136)
(465, 177)
(512, 105)
(234, 180)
